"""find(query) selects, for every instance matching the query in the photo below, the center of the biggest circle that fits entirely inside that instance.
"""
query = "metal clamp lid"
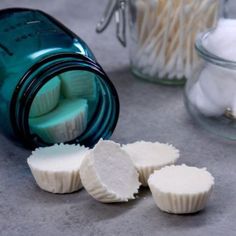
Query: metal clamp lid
(117, 8)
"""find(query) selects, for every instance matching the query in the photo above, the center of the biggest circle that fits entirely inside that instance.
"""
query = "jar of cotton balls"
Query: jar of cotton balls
(52, 89)
(162, 35)
(211, 92)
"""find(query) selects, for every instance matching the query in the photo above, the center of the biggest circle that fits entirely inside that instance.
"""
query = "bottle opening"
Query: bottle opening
(64, 98)
(67, 107)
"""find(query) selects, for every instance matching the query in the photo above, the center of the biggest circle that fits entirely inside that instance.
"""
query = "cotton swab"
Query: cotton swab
(188, 66)
(174, 50)
(140, 14)
(179, 62)
(153, 5)
(159, 16)
(144, 22)
(161, 59)
(153, 33)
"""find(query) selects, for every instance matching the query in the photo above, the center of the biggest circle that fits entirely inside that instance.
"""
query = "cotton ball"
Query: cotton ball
(222, 40)
(223, 23)
(219, 84)
(203, 103)
(215, 91)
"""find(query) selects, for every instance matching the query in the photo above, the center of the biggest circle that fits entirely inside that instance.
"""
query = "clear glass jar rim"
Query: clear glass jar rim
(209, 56)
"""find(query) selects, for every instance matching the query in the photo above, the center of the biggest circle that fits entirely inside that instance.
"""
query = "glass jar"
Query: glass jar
(52, 89)
(210, 93)
(162, 35)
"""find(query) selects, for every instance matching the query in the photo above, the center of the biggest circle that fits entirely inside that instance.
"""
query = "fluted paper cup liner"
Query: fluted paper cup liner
(80, 84)
(46, 99)
(56, 169)
(65, 123)
(150, 156)
(181, 189)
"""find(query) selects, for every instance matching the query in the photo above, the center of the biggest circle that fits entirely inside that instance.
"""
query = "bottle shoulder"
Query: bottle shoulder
(27, 36)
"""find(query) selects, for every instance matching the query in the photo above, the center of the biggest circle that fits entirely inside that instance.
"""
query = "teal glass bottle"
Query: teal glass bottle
(34, 49)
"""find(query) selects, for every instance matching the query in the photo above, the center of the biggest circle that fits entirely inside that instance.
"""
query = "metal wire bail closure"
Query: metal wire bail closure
(117, 8)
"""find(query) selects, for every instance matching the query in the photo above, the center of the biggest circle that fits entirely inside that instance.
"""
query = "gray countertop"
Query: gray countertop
(148, 112)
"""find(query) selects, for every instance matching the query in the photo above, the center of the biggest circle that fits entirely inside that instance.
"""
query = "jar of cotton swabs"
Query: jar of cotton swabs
(162, 35)
(210, 94)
